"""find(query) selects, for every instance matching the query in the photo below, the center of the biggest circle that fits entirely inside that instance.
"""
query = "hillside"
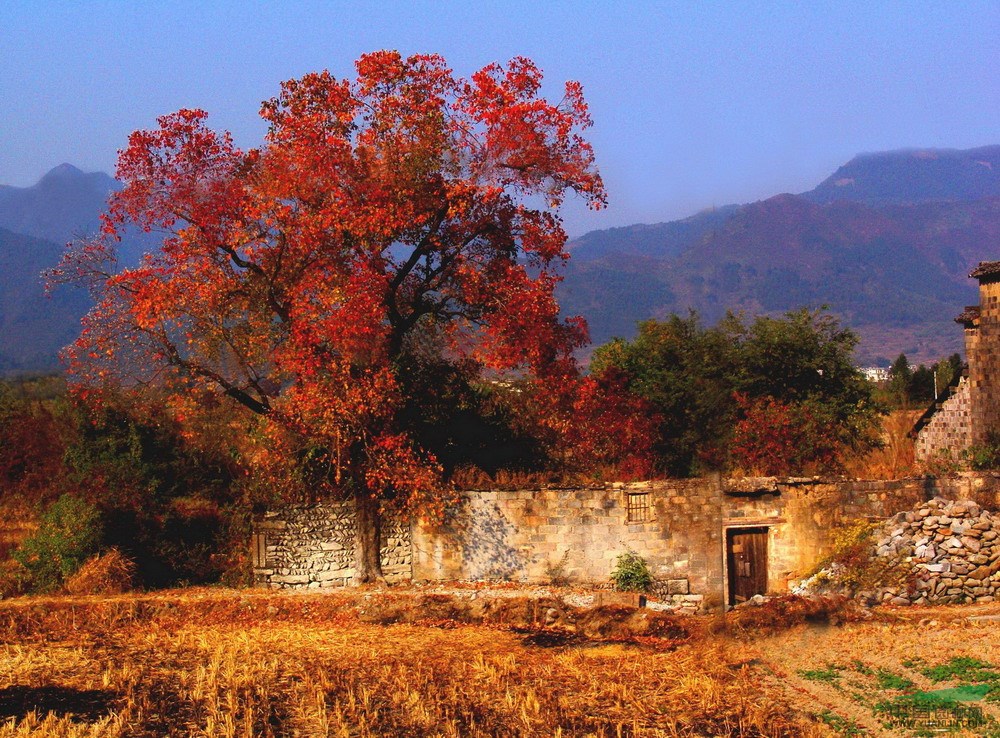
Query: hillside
(914, 175)
(63, 204)
(33, 326)
(886, 241)
(35, 224)
(889, 253)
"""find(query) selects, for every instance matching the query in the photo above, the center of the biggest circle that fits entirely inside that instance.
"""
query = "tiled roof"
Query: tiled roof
(968, 316)
(986, 269)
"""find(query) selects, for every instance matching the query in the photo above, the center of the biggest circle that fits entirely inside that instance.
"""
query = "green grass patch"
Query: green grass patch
(963, 693)
(888, 680)
(963, 669)
(973, 676)
(830, 675)
(844, 726)
(862, 668)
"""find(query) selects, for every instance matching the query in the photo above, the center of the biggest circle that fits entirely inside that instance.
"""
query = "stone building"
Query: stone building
(707, 541)
(969, 414)
(982, 346)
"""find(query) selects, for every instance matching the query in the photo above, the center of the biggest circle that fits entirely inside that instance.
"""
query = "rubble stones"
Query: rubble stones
(952, 548)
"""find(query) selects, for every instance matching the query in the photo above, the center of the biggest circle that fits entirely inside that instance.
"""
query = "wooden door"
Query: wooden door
(746, 554)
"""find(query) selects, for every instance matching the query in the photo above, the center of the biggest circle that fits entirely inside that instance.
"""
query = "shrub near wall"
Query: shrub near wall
(69, 532)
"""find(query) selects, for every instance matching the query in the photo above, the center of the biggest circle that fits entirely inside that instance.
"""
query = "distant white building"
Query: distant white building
(875, 373)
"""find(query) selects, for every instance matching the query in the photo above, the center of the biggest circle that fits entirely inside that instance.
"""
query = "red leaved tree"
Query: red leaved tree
(401, 208)
(775, 437)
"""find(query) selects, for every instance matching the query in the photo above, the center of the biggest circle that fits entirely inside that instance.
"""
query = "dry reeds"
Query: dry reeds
(895, 458)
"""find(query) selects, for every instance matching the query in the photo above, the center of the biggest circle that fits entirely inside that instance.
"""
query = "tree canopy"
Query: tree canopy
(402, 218)
(773, 395)
(911, 387)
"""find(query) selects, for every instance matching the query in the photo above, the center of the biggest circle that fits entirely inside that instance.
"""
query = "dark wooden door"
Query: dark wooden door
(746, 552)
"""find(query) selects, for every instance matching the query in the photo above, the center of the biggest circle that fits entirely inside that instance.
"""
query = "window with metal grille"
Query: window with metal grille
(638, 507)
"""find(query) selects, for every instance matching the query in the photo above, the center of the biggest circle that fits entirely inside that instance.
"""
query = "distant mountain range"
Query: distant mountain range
(35, 224)
(33, 327)
(64, 204)
(887, 242)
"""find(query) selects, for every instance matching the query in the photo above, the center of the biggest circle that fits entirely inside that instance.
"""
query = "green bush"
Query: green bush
(631, 573)
(69, 532)
(986, 456)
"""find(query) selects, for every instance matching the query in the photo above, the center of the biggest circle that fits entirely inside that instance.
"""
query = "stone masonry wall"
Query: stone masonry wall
(313, 546)
(949, 431)
(983, 353)
(575, 535)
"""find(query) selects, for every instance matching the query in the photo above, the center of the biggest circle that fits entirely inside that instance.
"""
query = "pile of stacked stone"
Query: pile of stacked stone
(951, 550)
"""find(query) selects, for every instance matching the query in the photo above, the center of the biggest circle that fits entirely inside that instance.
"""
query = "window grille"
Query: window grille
(638, 508)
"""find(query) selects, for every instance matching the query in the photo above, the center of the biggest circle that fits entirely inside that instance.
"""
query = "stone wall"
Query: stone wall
(983, 354)
(949, 430)
(313, 546)
(951, 549)
(575, 535)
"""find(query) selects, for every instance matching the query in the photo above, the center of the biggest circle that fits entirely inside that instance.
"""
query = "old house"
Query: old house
(968, 414)
(708, 541)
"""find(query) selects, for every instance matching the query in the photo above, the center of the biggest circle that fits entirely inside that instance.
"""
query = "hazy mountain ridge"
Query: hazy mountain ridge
(34, 326)
(661, 240)
(890, 253)
(65, 203)
(914, 175)
(35, 224)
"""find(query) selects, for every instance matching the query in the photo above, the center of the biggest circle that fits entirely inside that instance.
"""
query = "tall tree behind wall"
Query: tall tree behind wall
(403, 208)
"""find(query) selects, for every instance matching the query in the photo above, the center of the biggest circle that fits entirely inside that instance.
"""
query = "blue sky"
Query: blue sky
(695, 103)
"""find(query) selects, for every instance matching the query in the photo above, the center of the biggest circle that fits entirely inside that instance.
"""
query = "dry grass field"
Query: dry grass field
(225, 663)
(845, 673)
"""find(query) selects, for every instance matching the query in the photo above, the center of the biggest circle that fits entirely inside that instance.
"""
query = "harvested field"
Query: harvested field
(258, 664)
(399, 663)
(867, 678)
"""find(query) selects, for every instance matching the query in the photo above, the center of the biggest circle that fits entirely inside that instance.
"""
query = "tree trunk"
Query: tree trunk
(368, 540)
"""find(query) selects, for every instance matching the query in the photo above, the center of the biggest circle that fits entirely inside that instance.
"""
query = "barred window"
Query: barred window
(638, 508)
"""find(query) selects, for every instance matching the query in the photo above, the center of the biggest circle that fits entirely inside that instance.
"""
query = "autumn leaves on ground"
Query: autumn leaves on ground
(397, 662)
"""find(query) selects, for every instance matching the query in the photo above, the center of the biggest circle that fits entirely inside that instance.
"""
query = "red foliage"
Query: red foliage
(31, 451)
(612, 427)
(775, 437)
(293, 277)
